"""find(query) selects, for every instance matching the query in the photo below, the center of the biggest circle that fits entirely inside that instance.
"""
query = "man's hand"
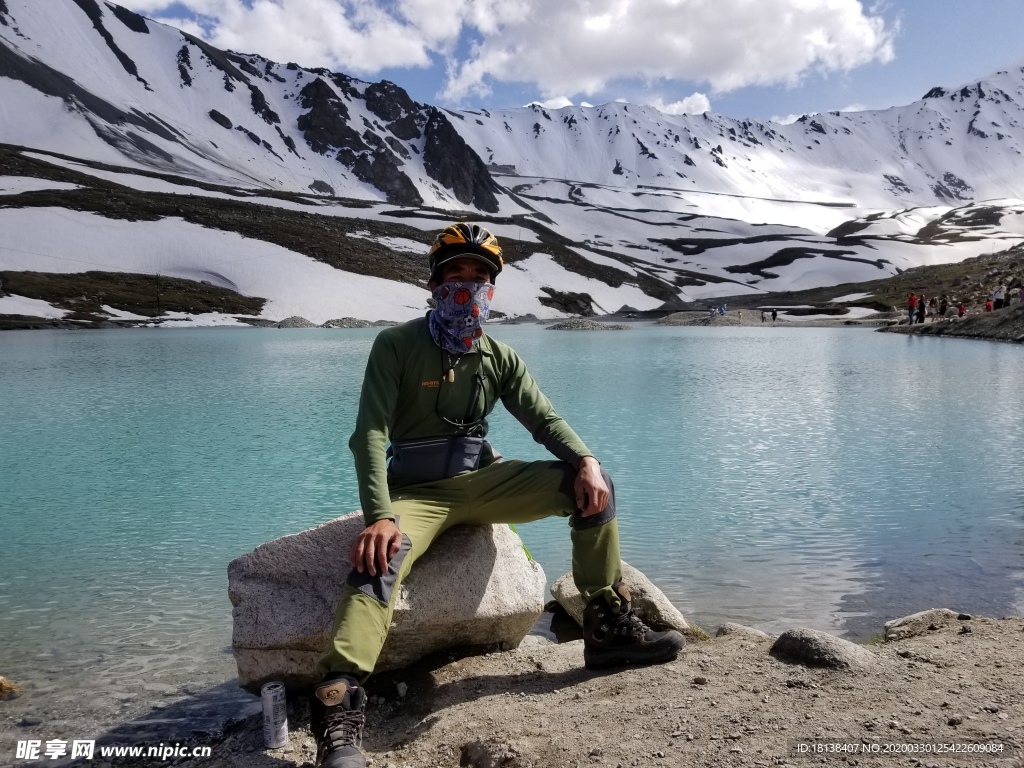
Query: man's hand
(375, 546)
(591, 490)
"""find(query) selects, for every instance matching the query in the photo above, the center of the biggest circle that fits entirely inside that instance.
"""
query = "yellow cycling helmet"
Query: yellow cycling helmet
(464, 241)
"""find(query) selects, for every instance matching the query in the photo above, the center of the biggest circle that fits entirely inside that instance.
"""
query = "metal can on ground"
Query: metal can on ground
(275, 715)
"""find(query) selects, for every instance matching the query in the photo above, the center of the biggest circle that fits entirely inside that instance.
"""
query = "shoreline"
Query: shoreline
(731, 318)
(724, 701)
(1006, 325)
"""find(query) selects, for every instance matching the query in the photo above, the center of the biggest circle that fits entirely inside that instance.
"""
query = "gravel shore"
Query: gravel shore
(723, 702)
(1005, 324)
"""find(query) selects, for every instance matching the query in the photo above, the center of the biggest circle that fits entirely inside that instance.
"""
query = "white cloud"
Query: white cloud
(787, 120)
(854, 108)
(560, 48)
(569, 48)
(694, 104)
(556, 103)
(358, 36)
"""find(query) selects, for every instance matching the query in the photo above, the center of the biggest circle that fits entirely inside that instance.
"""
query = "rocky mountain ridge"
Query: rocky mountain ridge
(165, 99)
(225, 117)
(113, 116)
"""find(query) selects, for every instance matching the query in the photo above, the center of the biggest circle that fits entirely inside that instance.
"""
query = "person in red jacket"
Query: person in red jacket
(912, 307)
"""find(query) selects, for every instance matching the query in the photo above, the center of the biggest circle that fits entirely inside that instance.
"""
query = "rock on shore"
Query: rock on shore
(475, 587)
(578, 324)
(649, 602)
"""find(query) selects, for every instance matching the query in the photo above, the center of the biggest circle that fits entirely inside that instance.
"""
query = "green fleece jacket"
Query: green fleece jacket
(406, 387)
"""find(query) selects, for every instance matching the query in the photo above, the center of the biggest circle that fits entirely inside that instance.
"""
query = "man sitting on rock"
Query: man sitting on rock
(429, 386)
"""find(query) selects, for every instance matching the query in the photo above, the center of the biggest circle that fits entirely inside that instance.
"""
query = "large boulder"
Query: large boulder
(475, 587)
(814, 648)
(920, 623)
(649, 602)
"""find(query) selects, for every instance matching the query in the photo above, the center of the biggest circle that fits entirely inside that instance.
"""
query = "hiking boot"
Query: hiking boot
(336, 719)
(612, 639)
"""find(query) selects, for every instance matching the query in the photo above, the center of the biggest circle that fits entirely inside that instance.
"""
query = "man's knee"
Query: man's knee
(606, 515)
(381, 586)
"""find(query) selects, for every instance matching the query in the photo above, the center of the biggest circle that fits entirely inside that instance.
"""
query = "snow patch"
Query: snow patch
(851, 297)
(120, 314)
(22, 305)
(400, 244)
(15, 185)
(38, 239)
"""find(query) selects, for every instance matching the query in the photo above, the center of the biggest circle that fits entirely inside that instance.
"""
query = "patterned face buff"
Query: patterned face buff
(456, 322)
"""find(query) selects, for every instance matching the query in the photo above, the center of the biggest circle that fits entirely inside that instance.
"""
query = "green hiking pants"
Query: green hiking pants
(505, 492)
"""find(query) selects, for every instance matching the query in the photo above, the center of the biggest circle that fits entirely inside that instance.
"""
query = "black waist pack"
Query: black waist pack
(435, 458)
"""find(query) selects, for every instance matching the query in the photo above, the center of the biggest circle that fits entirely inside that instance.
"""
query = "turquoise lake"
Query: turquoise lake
(778, 477)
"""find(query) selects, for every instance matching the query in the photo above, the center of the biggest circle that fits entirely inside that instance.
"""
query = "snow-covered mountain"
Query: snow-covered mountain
(94, 80)
(621, 202)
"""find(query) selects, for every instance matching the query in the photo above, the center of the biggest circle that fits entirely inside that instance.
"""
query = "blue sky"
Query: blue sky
(742, 58)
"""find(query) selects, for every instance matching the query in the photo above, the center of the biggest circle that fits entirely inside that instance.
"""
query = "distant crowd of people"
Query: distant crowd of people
(714, 312)
(921, 308)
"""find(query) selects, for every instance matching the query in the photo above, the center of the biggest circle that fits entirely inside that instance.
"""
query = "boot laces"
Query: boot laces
(629, 624)
(343, 729)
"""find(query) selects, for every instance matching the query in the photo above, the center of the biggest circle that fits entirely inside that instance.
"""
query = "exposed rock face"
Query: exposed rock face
(406, 128)
(820, 649)
(381, 170)
(130, 19)
(920, 623)
(92, 10)
(220, 60)
(387, 101)
(325, 126)
(220, 119)
(568, 301)
(397, 147)
(649, 602)
(450, 160)
(322, 187)
(475, 587)
(260, 106)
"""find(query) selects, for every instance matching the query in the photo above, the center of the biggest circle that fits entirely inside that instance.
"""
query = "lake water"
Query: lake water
(778, 477)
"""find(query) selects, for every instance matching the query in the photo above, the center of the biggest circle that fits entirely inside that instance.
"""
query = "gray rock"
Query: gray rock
(579, 324)
(346, 322)
(489, 754)
(475, 587)
(813, 648)
(649, 602)
(918, 624)
(295, 322)
(730, 629)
